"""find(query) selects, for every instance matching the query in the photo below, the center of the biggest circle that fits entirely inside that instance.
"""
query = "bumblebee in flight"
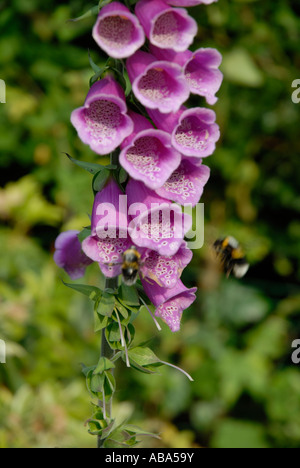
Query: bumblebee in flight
(232, 256)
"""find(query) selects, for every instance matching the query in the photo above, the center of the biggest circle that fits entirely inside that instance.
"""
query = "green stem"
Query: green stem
(114, 161)
(106, 351)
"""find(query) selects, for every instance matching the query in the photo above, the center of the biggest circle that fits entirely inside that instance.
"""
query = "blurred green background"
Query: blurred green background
(236, 339)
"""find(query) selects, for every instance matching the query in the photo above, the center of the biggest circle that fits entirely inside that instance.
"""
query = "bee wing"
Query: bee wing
(240, 270)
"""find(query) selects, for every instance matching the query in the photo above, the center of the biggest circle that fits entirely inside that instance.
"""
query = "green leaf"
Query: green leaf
(92, 168)
(107, 430)
(133, 309)
(94, 66)
(112, 334)
(123, 311)
(91, 12)
(100, 179)
(143, 356)
(100, 321)
(129, 333)
(121, 79)
(90, 291)
(102, 3)
(109, 385)
(104, 364)
(106, 304)
(86, 232)
(129, 295)
(128, 84)
(101, 385)
(98, 70)
(123, 176)
(89, 384)
(86, 370)
(111, 167)
(138, 431)
(94, 427)
(97, 382)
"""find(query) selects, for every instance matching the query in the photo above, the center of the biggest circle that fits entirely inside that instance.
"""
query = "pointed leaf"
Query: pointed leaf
(123, 311)
(86, 232)
(123, 176)
(106, 304)
(95, 67)
(97, 382)
(129, 295)
(100, 179)
(138, 431)
(91, 12)
(90, 291)
(113, 333)
(86, 369)
(104, 364)
(100, 321)
(143, 356)
(93, 168)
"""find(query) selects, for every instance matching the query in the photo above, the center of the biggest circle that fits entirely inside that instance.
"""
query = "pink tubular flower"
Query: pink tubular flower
(103, 123)
(186, 184)
(117, 31)
(109, 238)
(164, 270)
(149, 157)
(166, 27)
(157, 84)
(195, 131)
(156, 223)
(201, 69)
(170, 303)
(140, 123)
(69, 256)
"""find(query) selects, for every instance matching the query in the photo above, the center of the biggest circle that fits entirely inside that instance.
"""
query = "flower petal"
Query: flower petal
(117, 31)
(196, 133)
(150, 158)
(69, 255)
(109, 222)
(102, 123)
(202, 73)
(164, 270)
(108, 252)
(201, 69)
(160, 225)
(170, 303)
(166, 27)
(186, 184)
(157, 84)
